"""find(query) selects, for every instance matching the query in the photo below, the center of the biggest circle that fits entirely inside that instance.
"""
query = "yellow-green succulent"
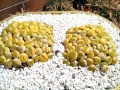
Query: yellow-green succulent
(89, 45)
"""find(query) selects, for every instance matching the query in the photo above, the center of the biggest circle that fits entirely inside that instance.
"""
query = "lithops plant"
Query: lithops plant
(50, 55)
(65, 61)
(38, 51)
(96, 60)
(21, 48)
(92, 67)
(15, 54)
(30, 62)
(35, 57)
(72, 55)
(89, 45)
(24, 43)
(82, 63)
(16, 62)
(20, 41)
(104, 66)
(30, 51)
(74, 63)
(23, 57)
(89, 61)
(114, 60)
(2, 59)
(8, 63)
(43, 57)
(5, 50)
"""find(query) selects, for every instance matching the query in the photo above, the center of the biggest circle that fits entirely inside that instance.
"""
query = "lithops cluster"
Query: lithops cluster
(25, 42)
(90, 46)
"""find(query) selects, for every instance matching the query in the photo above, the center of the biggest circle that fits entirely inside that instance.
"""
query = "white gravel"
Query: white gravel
(53, 75)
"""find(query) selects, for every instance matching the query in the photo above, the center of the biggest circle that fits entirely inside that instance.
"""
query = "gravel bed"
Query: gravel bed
(54, 75)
